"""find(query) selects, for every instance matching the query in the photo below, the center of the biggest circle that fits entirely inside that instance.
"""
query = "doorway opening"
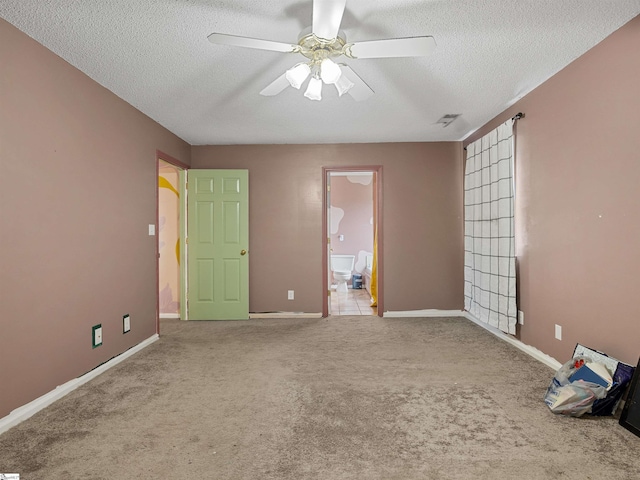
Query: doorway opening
(169, 172)
(352, 239)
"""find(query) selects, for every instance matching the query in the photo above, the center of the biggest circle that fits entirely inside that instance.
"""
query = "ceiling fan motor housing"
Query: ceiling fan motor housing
(317, 49)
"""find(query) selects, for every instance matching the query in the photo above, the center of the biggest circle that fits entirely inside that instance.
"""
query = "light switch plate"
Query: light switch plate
(290, 295)
(558, 332)
(152, 229)
(126, 323)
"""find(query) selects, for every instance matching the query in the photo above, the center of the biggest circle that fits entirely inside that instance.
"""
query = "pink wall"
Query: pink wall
(421, 208)
(77, 193)
(354, 199)
(577, 215)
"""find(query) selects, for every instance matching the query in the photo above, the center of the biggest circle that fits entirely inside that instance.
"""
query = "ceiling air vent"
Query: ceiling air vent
(447, 119)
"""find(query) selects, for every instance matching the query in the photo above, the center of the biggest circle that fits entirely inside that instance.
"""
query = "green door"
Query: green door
(218, 244)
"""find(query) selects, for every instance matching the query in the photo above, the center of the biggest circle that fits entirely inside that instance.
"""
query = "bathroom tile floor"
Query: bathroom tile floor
(354, 302)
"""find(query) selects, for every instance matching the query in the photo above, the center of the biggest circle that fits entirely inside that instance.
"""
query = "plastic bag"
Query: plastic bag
(572, 398)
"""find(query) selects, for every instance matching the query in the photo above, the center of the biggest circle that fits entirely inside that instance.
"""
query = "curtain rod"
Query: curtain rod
(517, 116)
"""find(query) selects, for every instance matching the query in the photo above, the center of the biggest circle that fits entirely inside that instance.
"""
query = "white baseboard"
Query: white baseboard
(424, 313)
(170, 315)
(285, 315)
(534, 352)
(22, 413)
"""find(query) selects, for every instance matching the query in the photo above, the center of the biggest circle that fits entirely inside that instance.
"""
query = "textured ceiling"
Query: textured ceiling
(155, 55)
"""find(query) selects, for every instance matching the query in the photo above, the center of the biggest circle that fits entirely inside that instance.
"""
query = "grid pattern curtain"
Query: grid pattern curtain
(489, 244)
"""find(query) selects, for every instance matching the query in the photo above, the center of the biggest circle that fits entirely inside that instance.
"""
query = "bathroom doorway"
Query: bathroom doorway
(352, 239)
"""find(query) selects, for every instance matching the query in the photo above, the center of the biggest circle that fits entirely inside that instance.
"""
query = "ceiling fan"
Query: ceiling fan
(320, 44)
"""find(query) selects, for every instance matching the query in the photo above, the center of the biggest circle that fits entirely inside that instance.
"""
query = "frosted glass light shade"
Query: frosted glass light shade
(314, 89)
(329, 71)
(298, 74)
(343, 85)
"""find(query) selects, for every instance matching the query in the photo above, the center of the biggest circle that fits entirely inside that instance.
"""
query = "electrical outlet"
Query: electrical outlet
(520, 317)
(96, 336)
(126, 323)
(290, 295)
(558, 332)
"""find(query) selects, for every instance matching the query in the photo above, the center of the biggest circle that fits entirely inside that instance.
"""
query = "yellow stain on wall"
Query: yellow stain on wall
(164, 183)
(374, 271)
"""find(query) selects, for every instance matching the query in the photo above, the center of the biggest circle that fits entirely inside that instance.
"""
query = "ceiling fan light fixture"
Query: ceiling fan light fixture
(321, 43)
(314, 89)
(329, 71)
(298, 74)
(343, 85)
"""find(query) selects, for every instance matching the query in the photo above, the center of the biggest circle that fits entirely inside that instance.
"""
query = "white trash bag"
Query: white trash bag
(572, 398)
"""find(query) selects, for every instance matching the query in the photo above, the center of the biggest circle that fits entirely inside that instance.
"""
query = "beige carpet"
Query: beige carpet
(337, 398)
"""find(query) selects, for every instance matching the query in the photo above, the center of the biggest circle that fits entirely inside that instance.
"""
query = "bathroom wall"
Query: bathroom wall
(352, 216)
(168, 239)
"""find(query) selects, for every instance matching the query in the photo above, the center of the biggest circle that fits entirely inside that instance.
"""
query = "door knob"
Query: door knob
(243, 252)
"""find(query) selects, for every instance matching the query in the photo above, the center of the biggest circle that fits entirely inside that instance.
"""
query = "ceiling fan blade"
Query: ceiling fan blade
(224, 39)
(275, 87)
(394, 47)
(360, 90)
(327, 16)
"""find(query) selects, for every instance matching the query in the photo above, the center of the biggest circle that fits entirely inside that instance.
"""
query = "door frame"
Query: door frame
(377, 169)
(182, 166)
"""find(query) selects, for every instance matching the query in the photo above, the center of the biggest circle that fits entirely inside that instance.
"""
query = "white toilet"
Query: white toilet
(342, 266)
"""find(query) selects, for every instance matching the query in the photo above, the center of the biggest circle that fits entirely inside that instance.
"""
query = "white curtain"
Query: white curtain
(489, 257)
